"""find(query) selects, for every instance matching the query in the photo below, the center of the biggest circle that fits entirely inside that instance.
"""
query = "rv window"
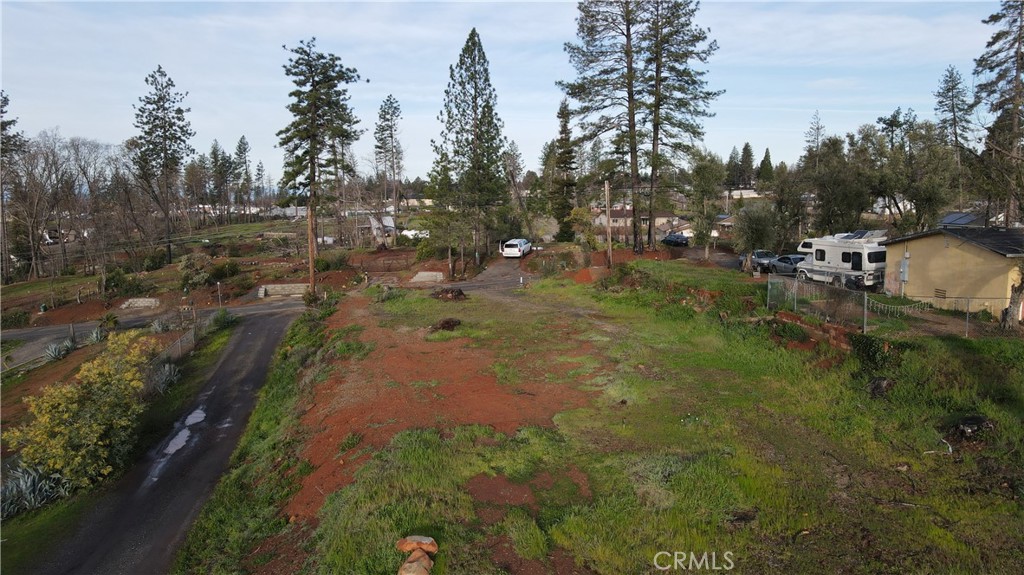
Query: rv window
(819, 255)
(806, 245)
(846, 257)
(876, 257)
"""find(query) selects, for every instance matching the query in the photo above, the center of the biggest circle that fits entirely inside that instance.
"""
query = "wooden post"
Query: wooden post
(608, 220)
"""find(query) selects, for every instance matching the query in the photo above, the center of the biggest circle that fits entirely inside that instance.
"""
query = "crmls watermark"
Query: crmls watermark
(690, 561)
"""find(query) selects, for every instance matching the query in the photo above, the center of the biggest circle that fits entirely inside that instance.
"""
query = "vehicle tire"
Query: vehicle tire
(775, 270)
(837, 282)
(801, 275)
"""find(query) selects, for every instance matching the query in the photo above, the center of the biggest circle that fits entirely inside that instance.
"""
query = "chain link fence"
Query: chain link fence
(966, 316)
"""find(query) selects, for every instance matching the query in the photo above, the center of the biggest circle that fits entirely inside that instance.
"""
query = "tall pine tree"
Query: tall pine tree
(321, 116)
(470, 149)
(387, 149)
(158, 153)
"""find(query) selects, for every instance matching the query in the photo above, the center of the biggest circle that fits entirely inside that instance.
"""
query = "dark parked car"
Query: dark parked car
(676, 240)
(785, 264)
(759, 260)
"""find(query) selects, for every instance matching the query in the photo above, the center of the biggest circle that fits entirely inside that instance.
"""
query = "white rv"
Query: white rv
(853, 259)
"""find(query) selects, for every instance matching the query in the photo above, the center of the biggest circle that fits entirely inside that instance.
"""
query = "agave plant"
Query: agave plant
(28, 488)
(56, 351)
(109, 321)
(164, 376)
(96, 336)
(159, 326)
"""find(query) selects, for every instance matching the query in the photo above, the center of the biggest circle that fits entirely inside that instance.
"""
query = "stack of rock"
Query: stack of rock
(420, 549)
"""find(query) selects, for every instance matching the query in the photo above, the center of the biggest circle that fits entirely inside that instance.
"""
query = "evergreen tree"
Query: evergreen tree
(671, 44)
(733, 170)
(747, 166)
(708, 174)
(242, 177)
(387, 149)
(472, 143)
(321, 116)
(765, 171)
(1000, 70)
(222, 169)
(158, 153)
(564, 189)
(953, 110)
(813, 137)
(609, 81)
(12, 143)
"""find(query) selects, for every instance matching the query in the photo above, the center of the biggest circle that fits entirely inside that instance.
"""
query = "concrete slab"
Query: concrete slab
(428, 277)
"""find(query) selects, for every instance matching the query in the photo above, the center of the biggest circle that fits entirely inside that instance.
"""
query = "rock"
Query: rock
(414, 542)
(412, 569)
(971, 426)
(420, 557)
(447, 324)
(880, 386)
(449, 294)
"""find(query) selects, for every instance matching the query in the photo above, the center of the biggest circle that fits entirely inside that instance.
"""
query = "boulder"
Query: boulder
(414, 542)
(879, 386)
(447, 324)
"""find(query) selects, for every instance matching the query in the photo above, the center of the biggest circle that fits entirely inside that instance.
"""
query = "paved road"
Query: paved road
(36, 339)
(137, 526)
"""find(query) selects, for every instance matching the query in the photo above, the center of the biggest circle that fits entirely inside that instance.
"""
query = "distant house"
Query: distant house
(622, 222)
(962, 268)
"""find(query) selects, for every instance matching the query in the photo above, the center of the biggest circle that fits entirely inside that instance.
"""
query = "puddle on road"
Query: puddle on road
(178, 442)
(195, 417)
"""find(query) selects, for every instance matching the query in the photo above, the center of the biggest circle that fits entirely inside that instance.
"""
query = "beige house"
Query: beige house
(956, 268)
(622, 222)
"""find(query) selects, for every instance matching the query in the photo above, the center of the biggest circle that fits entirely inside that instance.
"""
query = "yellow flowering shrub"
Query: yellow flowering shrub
(85, 429)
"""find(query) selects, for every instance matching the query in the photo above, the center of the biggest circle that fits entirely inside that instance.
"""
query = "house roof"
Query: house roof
(959, 219)
(1007, 242)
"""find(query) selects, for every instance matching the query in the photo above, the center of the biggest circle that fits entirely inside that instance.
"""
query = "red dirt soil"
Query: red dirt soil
(407, 382)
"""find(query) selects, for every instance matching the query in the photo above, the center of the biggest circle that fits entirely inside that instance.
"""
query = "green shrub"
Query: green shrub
(791, 331)
(14, 318)
(154, 261)
(334, 260)
(194, 271)
(222, 319)
(223, 271)
(125, 285)
(244, 282)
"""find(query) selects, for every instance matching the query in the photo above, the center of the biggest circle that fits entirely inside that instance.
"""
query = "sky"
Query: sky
(80, 67)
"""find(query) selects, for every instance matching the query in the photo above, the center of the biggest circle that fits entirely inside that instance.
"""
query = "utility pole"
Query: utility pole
(608, 220)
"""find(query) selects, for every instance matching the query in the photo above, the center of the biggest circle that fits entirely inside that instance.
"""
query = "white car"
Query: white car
(516, 248)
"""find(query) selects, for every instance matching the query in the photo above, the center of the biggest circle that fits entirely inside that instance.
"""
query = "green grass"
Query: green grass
(9, 345)
(165, 409)
(244, 506)
(32, 535)
(702, 435)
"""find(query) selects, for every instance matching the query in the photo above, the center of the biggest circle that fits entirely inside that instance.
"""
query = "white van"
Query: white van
(516, 248)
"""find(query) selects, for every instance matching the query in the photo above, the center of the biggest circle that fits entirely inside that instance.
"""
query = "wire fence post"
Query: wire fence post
(796, 290)
(967, 319)
(865, 312)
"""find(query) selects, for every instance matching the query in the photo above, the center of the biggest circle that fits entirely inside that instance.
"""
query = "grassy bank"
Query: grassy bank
(264, 467)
